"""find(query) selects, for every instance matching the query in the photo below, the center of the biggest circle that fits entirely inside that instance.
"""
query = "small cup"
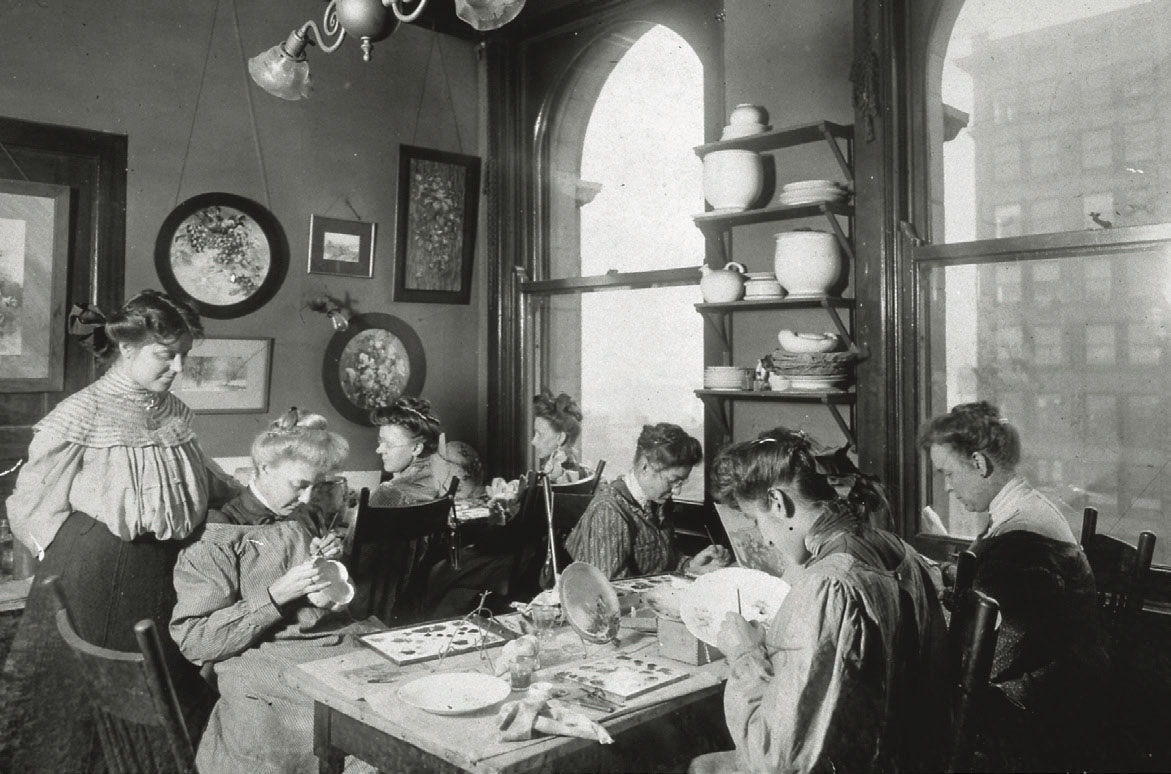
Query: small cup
(520, 672)
(544, 620)
(778, 383)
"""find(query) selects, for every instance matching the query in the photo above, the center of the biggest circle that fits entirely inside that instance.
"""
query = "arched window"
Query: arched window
(613, 321)
(1048, 290)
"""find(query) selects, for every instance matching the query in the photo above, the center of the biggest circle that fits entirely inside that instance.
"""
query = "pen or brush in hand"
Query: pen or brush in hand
(739, 609)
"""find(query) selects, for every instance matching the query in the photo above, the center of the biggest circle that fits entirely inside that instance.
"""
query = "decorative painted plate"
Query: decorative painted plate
(714, 595)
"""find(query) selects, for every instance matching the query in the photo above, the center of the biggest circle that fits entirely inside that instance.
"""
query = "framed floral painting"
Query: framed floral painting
(371, 364)
(224, 253)
(438, 203)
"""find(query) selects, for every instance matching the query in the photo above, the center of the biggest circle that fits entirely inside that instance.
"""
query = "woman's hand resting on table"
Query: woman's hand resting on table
(738, 636)
(328, 545)
(710, 558)
(303, 579)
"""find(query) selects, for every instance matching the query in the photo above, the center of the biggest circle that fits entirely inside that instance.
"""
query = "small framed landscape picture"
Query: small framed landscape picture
(226, 376)
(342, 247)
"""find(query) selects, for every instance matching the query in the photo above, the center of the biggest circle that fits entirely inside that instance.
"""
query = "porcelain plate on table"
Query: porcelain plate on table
(713, 596)
(454, 693)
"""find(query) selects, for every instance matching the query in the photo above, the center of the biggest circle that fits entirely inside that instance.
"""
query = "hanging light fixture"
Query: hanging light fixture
(283, 70)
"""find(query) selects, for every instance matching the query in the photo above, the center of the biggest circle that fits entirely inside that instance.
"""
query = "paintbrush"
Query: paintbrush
(708, 530)
(739, 609)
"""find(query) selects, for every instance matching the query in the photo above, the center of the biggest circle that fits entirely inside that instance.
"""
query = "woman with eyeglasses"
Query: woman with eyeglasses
(626, 530)
(849, 675)
(408, 436)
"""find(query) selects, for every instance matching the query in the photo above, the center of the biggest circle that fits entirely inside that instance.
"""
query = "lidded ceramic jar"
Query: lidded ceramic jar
(807, 262)
(732, 179)
(720, 286)
(747, 114)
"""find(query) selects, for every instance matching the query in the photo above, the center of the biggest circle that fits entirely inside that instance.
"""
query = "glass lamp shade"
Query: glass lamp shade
(281, 74)
(487, 15)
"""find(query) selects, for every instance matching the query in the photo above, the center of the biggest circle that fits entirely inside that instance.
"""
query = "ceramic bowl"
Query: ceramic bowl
(747, 113)
(732, 132)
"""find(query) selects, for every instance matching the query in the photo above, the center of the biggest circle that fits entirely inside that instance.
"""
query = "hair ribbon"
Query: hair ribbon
(88, 323)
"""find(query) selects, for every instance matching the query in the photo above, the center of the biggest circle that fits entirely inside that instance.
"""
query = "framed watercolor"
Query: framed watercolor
(371, 364)
(224, 253)
(34, 262)
(438, 203)
(226, 375)
(342, 247)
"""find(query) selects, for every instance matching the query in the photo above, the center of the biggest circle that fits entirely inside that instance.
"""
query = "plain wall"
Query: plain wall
(136, 67)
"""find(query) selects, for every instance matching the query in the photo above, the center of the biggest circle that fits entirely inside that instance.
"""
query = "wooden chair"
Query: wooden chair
(972, 644)
(1121, 572)
(388, 567)
(130, 693)
(565, 505)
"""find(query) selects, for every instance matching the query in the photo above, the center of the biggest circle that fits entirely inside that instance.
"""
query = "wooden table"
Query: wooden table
(368, 720)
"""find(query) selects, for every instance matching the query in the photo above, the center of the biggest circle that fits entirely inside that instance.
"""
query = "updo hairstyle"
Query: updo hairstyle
(150, 317)
(667, 446)
(413, 415)
(785, 458)
(974, 427)
(561, 412)
(304, 437)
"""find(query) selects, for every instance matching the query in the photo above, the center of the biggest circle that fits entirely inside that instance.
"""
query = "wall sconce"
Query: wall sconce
(283, 70)
(333, 309)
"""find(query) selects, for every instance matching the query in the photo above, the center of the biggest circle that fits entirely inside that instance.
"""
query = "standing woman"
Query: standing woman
(115, 481)
(848, 675)
(556, 427)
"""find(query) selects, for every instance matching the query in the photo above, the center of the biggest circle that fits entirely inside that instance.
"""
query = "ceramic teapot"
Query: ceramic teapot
(720, 286)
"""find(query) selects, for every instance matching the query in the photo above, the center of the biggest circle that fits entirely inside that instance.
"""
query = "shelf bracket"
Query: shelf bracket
(720, 411)
(721, 325)
(837, 151)
(837, 415)
(843, 240)
(845, 334)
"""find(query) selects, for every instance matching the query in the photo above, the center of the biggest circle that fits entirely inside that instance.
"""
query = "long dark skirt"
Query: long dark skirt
(109, 584)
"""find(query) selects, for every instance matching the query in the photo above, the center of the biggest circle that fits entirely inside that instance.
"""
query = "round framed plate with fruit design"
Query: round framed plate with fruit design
(224, 253)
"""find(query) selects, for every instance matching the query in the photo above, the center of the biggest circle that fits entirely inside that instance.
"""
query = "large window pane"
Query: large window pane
(1066, 100)
(640, 364)
(1096, 427)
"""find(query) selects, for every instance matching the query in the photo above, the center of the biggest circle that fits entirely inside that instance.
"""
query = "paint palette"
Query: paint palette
(424, 642)
(624, 676)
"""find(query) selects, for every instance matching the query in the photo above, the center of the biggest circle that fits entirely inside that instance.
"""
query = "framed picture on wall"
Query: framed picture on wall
(438, 203)
(34, 261)
(341, 247)
(376, 360)
(226, 375)
(224, 253)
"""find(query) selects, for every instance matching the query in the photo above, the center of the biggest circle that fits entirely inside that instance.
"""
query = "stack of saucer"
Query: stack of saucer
(725, 378)
(763, 285)
(812, 191)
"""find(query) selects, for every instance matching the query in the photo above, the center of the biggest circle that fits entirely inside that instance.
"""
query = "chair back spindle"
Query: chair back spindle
(972, 643)
(130, 694)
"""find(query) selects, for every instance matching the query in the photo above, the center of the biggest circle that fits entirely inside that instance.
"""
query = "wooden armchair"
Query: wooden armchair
(1120, 573)
(131, 693)
(972, 644)
(393, 550)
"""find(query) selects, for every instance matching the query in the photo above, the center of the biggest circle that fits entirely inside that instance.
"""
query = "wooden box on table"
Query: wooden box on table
(677, 643)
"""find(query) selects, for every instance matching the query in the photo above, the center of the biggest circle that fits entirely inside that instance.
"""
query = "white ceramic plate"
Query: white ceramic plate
(454, 693)
(734, 131)
(713, 596)
(814, 382)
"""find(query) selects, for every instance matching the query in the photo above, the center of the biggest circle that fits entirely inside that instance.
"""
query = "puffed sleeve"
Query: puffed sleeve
(39, 504)
(211, 620)
(788, 713)
(602, 538)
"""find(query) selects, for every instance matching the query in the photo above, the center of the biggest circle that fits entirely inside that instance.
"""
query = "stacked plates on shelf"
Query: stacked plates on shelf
(725, 378)
(812, 192)
(815, 382)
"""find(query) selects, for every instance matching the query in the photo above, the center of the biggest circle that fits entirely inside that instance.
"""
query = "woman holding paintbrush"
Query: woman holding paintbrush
(257, 593)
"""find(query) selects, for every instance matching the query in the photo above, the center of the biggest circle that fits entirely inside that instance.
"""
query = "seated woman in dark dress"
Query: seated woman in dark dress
(626, 529)
(1050, 661)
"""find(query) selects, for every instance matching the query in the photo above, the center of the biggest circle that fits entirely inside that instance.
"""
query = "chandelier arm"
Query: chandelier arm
(397, 7)
(329, 27)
